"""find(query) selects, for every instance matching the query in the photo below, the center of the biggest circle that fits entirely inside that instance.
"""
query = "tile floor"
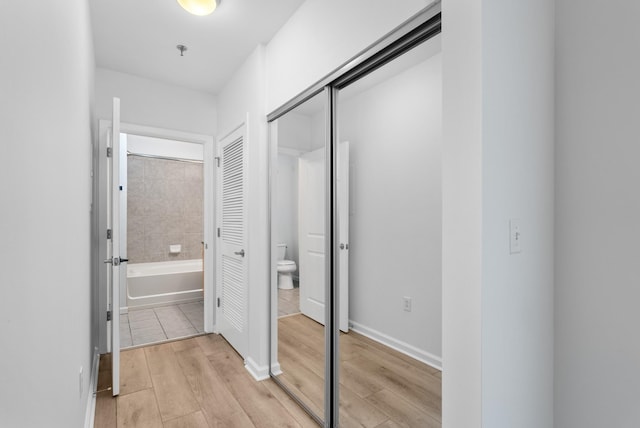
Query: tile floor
(143, 326)
(288, 301)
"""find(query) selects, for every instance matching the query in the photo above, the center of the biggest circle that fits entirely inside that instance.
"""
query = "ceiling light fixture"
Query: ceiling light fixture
(199, 7)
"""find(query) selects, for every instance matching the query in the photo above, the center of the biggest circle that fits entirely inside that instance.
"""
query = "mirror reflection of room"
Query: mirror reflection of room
(390, 359)
(388, 244)
(299, 219)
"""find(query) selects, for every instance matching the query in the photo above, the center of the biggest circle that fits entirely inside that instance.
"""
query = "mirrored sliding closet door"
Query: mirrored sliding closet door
(356, 236)
(299, 219)
(388, 217)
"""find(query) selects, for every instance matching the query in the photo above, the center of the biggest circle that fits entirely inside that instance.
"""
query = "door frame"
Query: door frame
(208, 143)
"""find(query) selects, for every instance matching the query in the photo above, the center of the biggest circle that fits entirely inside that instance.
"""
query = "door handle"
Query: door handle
(343, 246)
(116, 261)
(239, 253)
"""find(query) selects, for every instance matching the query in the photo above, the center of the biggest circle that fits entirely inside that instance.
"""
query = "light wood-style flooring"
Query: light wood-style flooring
(379, 387)
(199, 382)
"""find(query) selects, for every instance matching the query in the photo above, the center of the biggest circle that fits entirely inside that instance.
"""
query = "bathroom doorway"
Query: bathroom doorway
(164, 291)
(168, 216)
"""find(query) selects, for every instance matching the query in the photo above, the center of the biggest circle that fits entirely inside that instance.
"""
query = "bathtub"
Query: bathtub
(162, 283)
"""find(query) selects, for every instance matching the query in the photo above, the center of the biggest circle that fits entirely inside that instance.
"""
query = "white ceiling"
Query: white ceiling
(140, 37)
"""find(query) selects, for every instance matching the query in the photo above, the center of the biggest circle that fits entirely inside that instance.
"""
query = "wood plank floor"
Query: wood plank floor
(198, 382)
(201, 382)
(379, 387)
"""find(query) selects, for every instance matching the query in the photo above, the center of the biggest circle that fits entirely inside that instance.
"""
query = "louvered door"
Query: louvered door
(231, 316)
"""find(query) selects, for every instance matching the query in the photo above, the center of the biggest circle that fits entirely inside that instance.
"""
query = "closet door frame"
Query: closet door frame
(418, 29)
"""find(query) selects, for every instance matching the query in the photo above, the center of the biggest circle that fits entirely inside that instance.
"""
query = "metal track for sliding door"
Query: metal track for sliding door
(422, 26)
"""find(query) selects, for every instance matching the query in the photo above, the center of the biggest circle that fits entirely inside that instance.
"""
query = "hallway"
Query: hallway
(197, 382)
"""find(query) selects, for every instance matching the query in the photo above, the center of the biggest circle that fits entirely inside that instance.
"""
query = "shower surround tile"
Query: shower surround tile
(165, 207)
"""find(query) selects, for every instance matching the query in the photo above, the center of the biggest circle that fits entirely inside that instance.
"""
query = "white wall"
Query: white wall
(287, 205)
(294, 132)
(45, 131)
(461, 214)
(498, 70)
(151, 103)
(597, 209)
(320, 36)
(395, 242)
(518, 144)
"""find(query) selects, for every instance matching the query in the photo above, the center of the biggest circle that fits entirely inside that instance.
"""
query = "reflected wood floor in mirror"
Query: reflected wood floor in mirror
(379, 387)
(198, 382)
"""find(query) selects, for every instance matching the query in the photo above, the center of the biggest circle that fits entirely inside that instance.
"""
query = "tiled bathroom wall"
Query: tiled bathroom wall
(165, 207)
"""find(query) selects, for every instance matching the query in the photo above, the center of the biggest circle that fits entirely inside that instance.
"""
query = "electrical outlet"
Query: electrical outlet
(406, 304)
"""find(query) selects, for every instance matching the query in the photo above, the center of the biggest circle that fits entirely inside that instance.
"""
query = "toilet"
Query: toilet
(285, 269)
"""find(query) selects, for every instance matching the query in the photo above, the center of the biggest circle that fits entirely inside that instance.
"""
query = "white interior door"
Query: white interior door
(311, 234)
(232, 289)
(343, 234)
(114, 247)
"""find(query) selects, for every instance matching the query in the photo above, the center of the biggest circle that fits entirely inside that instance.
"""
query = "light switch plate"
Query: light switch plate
(515, 233)
(406, 303)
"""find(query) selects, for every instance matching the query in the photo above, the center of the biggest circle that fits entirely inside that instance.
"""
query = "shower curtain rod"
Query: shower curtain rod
(143, 155)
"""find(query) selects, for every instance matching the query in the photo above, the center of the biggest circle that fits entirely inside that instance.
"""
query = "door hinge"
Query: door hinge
(109, 151)
(108, 315)
(217, 158)
(218, 232)
(218, 302)
(109, 233)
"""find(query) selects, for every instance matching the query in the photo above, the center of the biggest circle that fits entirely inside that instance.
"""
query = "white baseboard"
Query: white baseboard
(258, 372)
(405, 348)
(276, 369)
(89, 418)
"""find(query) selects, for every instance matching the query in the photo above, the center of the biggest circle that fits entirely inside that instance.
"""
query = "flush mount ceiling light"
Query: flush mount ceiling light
(199, 7)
